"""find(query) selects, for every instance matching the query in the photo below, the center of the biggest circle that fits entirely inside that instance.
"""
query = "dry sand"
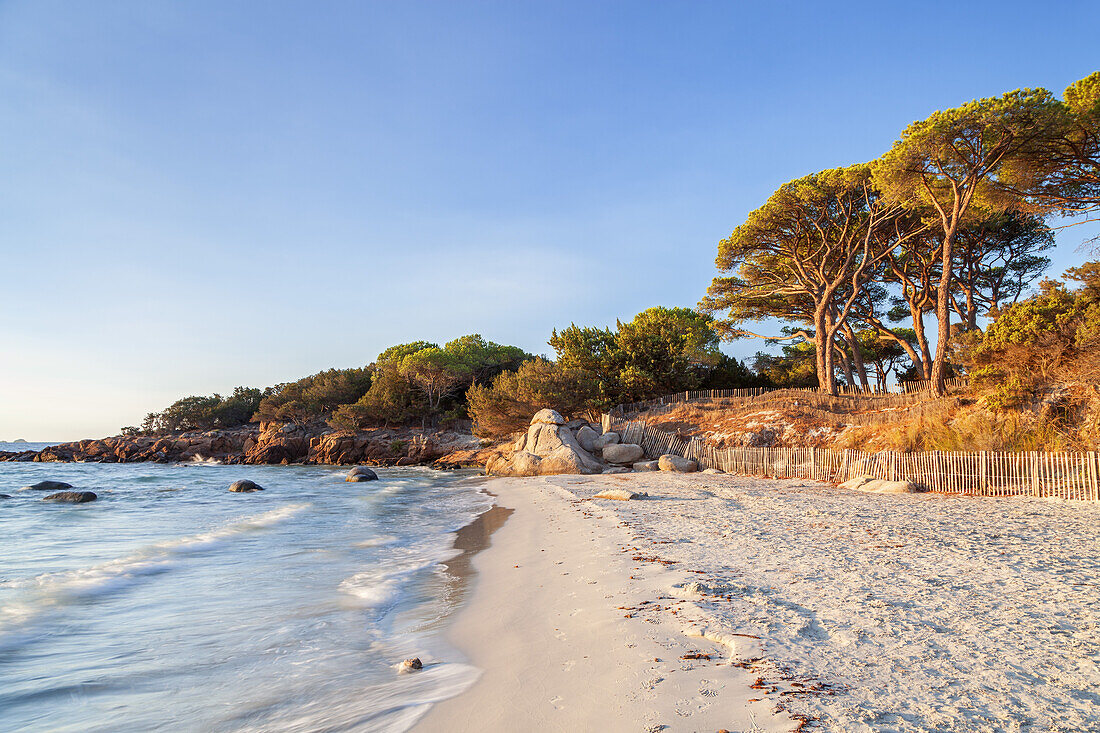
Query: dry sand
(907, 613)
(573, 634)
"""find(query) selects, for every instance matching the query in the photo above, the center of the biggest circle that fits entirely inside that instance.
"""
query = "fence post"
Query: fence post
(1092, 476)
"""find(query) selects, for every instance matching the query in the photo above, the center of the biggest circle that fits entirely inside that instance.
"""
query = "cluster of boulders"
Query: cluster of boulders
(61, 493)
(553, 445)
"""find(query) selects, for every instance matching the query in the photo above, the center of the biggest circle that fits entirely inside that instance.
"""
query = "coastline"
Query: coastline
(550, 627)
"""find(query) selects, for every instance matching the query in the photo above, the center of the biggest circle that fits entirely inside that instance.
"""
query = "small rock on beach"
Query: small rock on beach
(619, 495)
(677, 464)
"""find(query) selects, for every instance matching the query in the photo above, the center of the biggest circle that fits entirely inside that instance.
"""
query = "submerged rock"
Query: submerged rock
(49, 486)
(410, 665)
(677, 464)
(5, 496)
(245, 486)
(72, 497)
(361, 473)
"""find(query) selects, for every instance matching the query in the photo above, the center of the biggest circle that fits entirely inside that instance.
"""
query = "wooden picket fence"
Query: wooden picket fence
(985, 473)
(906, 393)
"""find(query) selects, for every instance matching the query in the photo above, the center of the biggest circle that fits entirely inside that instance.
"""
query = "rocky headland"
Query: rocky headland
(275, 443)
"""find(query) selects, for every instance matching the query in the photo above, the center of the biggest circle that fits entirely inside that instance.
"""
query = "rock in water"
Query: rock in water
(49, 486)
(5, 496)
(410, 665)
(245, 486)
(623, 453)
(677, 464)
(361, 473)
(72, 497)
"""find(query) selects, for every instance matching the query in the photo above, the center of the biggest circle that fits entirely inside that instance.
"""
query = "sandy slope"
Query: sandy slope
(875, 613)
(565, 639)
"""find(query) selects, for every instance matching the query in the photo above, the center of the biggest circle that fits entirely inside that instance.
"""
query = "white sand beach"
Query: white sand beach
(817, 607)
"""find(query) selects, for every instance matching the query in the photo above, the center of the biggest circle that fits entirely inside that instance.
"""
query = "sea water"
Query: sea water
(172, 604)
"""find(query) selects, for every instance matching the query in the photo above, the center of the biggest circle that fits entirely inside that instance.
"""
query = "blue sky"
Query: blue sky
(205, 194)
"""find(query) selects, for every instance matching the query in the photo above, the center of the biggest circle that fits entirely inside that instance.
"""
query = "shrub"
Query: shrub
(514, 396)
(314, 396)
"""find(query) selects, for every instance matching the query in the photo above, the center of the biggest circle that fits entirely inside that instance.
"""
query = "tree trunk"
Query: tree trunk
(857, 356)
(925, 365)
(845, 364)
(943, 315)
(823, 352)
(971, 313)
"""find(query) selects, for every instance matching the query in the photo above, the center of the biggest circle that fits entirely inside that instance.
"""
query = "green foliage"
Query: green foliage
(729, 373)
(808, 257)
(593, 351)
(956, 157)
(885, 355)
(436, 373)
(1059, 171)
(665, 350)
(1043, 348)
(204, 412)
(391, 399)
(484, 359)
(795, 367)
(421, 381)
(313, 397)
(514, 396)
(662, 350)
